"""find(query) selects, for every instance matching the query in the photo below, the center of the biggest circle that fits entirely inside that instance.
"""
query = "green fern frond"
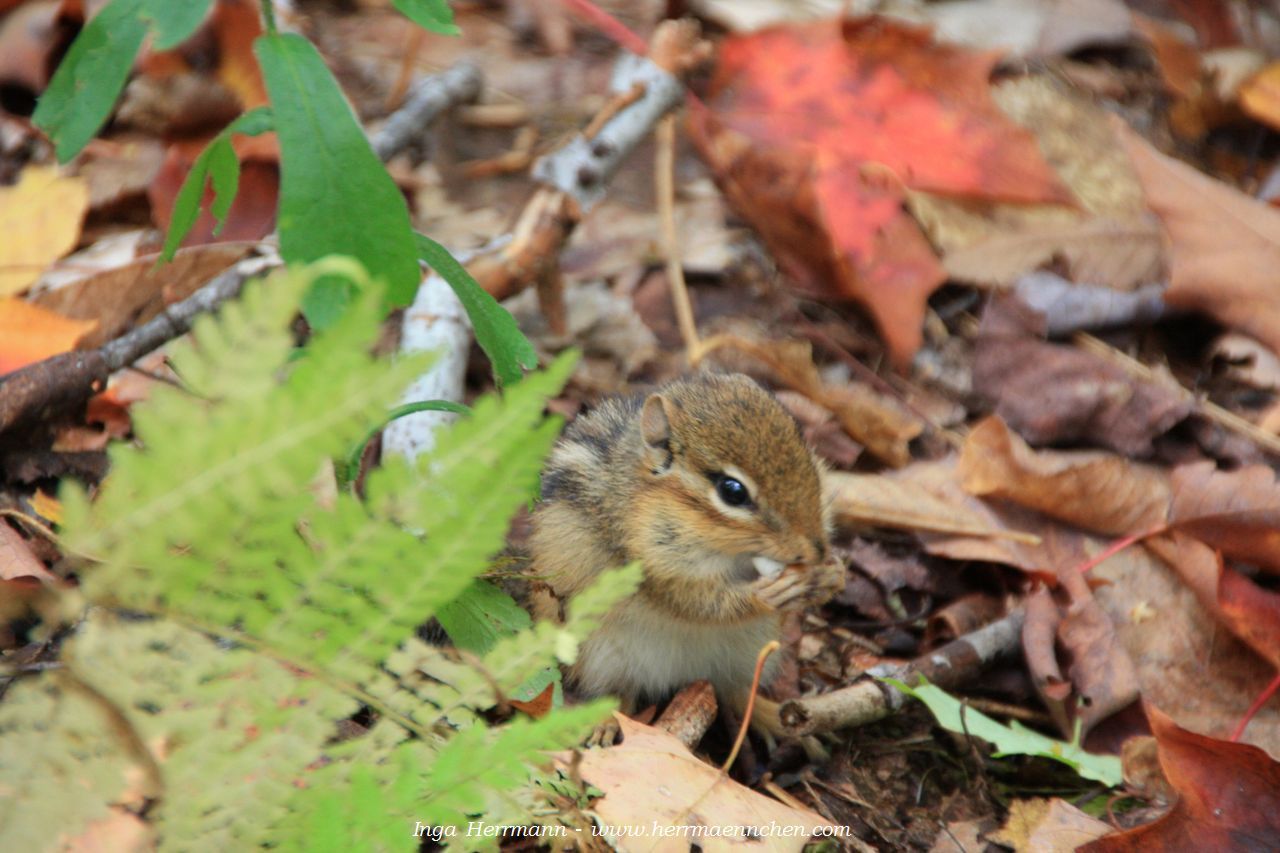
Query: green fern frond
(469, 772)
(59, 767)
(212, 524)
(238, 455)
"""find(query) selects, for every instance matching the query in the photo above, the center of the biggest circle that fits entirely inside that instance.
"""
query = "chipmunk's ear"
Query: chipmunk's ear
(655, 429)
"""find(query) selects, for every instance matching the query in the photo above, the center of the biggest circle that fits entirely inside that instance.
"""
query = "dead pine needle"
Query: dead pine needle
(666, 180)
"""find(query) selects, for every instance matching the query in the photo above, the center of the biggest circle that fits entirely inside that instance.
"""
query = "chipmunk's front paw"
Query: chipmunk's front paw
(797, 587)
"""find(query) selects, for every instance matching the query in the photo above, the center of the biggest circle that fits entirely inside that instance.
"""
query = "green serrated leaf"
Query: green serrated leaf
(1013, 739)
(90, 77)
(217, 163)
(174, 21)
(480, 616)
(496, 330)
(433, 15)
(335, 195)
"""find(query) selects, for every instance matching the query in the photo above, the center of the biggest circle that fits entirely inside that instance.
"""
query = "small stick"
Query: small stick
(688, 716)
(429, 97)
(1228, 420)
(871, 700)
(39, 391)
(665, 169)
(616, 104)
(413, 46)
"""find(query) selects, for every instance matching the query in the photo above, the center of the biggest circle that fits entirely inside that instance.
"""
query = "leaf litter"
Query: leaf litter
(924, 201)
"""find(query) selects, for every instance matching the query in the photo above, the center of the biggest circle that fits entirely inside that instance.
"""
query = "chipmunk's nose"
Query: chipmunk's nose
(815, 552)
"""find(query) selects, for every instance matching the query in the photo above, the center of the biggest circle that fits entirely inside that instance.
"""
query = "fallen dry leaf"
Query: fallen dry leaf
(29, 38)
(816, 130)
(121, 298)
(1228, 796)
(1226, 246)
(1198, 673)
(16, 559)
(1260, 96)
(40, 218)
(1047, 826)
(252, 215)
(1052, 393)
(874, 500)
(47, 506)
(881, 426)
(1091, 489)
(1032, 28)
(653, 785)
(1245, 609)
(1074, 134)
(29, 333)
(1248, 361)
(1068, 307)
(1105, 252)
(1236, 512)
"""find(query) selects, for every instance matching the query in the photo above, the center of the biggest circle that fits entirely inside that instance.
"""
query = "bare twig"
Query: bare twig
(1228, 420)
(40, 391)
(870, 700)
(666, 180)
(429, 97)
(688, 716)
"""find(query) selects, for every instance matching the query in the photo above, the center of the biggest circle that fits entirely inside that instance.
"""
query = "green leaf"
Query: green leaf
(90, 77)
(1013, 739)
(496, 330)
(481, 616)
(353, 458)
(335, 195)
(433, 15)
(174, 21)
(217, 163)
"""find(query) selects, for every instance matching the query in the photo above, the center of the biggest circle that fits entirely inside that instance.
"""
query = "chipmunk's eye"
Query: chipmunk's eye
(732, 491)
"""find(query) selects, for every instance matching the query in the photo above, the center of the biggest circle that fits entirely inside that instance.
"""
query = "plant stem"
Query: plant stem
(269, 16)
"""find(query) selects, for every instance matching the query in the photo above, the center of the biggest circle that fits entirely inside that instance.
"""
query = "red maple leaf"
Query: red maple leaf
(816, 131)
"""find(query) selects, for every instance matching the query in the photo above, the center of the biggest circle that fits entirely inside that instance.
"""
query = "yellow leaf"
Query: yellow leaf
(40, 219)
(47, 506)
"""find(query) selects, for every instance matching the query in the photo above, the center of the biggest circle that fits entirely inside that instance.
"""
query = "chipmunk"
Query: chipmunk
(709, 485)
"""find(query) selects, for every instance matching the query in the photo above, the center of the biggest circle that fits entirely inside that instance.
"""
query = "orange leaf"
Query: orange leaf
(1260, 95)
(29, 334)
(1226, 246)
(1245, 609)
(1228, 796)
(816, 130)
(47, 506)
(539, 706)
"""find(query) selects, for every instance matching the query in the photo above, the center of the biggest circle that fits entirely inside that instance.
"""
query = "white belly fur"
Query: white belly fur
(642, 652)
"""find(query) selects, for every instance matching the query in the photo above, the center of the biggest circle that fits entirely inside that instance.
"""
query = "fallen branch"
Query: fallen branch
(430, 96)
(58, 384)
(575, 178)
(870, 700)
